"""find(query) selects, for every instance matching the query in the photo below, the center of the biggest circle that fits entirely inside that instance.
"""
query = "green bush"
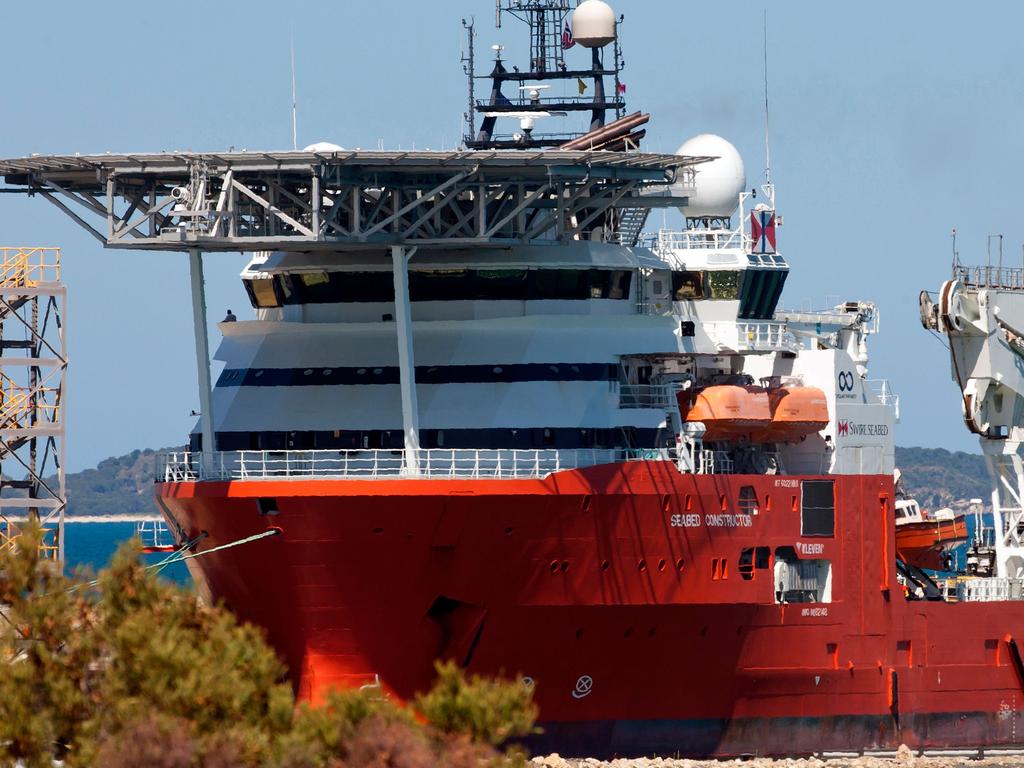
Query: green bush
(129, 671)
(488, 711)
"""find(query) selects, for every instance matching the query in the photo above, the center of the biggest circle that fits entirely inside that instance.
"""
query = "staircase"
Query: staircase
(631, 225)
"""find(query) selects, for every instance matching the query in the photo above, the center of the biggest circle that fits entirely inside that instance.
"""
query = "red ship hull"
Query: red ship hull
(627, 576)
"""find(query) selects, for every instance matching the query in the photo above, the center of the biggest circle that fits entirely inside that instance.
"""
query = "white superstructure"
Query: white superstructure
(578, 351)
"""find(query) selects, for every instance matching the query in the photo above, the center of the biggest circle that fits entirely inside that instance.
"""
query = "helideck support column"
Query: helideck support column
(406, 358)
(195, 263)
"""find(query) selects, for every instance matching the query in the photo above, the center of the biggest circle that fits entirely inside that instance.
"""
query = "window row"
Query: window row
(441, 285)
(425, 374)
(758, 290)
(480, 439)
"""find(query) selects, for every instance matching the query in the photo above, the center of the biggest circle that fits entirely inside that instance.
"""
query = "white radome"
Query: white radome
(718, 182)
(593, 24)
(323, 146)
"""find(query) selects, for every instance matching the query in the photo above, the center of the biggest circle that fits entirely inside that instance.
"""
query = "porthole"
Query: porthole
(497, 369)
(508, 531)
(308, 372)
(328, 371)
(661, 565)
(258, 374)
(641, 566)
(361, 372)
(378, 371)
(553, 567)
(565, 566)
(605, 565)
(680, 564)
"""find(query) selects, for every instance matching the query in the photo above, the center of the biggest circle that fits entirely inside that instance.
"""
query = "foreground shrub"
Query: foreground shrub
(487, 710)
(128, 671)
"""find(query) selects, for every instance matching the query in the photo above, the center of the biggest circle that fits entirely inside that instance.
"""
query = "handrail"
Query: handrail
(1011, 278)
(28, 267)
(435, 463)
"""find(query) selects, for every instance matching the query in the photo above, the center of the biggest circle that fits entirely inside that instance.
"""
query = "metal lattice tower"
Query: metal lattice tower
(33, 366)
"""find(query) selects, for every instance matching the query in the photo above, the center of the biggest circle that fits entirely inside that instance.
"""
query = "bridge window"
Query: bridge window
(687, 286)
(724, 285)
(263, 292)
(442, 285)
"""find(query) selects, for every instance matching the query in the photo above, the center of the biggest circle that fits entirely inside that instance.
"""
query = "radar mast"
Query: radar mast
(555, 28)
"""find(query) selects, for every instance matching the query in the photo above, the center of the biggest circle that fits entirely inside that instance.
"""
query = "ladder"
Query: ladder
(631, 225)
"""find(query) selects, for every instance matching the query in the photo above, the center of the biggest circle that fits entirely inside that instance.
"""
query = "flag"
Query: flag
(567, 39)
(621, 88)
(762, 231)
(581, 85)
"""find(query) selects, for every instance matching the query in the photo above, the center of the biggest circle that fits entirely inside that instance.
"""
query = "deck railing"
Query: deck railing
(436, 463)
(1010, 278)
(756, 335)
(658, 396)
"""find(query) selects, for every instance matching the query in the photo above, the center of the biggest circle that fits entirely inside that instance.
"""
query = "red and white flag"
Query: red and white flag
(762, 231)
(567, 39)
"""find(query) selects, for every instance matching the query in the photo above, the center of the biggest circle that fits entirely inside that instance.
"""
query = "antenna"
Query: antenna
(295, 117)
(497, 14)
(767, 144)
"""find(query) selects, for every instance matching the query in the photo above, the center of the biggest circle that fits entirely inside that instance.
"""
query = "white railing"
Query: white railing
(667, 241)
(990, 590)
(881, 389)
(714, 463)
(990, 277)
(741, 335)
(647, 395)
(447, 463)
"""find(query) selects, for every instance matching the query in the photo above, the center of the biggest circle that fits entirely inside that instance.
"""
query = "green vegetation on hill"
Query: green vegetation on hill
(123, 485)
(940, 478)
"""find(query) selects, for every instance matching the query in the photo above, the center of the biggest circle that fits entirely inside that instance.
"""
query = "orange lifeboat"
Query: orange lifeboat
(729, 411)
(796, 412)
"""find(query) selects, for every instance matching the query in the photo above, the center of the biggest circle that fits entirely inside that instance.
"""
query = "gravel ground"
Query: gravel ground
(903, 758)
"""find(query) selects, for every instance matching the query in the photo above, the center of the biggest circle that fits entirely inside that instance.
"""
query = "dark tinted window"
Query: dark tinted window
(818, 508)
(687, 285)
(442, 285)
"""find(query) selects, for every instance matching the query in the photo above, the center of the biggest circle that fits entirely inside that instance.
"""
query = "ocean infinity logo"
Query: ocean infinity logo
(584, 685)
(845, 380)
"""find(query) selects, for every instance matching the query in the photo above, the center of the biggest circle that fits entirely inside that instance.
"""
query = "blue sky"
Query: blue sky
(892, 123)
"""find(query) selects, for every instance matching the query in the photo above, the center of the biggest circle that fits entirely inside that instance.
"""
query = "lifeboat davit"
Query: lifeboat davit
(729, 411)
(796, 412)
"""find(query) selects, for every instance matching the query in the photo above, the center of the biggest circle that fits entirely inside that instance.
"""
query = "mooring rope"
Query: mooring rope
(247, 540)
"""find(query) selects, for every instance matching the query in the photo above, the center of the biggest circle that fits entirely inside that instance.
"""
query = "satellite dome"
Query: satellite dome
(718, 183)
(323, 146)
(593, 24)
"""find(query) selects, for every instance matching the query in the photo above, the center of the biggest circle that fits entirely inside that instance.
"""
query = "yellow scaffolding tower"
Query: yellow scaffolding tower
(33, 368)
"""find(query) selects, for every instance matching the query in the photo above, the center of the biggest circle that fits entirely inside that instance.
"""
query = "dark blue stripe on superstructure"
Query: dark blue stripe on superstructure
(425, 374)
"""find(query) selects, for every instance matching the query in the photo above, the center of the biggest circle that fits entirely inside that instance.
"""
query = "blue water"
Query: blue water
(93, 544)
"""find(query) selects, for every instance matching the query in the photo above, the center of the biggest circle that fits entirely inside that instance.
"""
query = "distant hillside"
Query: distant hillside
(938, 478)
(124, 485)
(118, 486)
